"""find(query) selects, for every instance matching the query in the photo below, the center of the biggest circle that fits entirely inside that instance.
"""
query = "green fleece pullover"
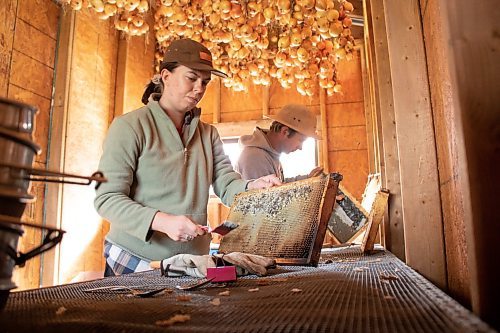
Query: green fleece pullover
(150, 168)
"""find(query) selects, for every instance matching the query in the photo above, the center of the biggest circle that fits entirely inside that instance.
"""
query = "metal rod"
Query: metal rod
(57, 177)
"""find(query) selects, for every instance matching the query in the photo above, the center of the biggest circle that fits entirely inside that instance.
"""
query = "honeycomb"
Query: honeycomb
(287, 223)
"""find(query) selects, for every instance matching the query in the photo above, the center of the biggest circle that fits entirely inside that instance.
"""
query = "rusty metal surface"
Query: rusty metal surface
(348, 292)
(287, 223)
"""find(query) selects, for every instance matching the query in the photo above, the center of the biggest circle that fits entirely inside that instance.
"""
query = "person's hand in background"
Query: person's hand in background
(264, 182)
(316, 172)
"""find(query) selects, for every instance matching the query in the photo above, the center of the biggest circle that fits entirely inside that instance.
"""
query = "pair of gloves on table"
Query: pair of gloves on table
(196, 265)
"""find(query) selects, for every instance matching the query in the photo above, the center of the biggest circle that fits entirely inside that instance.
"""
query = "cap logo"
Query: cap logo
(205, 56)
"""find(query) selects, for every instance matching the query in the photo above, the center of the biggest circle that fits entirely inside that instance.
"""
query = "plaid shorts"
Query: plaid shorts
(123, 262)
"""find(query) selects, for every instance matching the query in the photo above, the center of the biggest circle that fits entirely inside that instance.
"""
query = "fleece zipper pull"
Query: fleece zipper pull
(186, 155)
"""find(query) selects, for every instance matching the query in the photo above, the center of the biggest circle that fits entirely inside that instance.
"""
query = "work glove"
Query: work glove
(196, 265)
(186, 264)
(247, 263)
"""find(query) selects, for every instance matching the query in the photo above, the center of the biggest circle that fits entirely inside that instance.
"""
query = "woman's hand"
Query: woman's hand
(177, 227)
(264, 182)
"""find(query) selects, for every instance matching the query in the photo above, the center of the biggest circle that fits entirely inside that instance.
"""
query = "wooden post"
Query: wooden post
(57, 145)
(371, 133)
(384, 121)
(121, 79)
(324, 130)
(424, 239)
(265, 101)
(217, 102)
(450, 155)
(472, 47)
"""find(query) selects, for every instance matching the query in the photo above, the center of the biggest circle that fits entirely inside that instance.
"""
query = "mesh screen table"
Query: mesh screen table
(347, 292)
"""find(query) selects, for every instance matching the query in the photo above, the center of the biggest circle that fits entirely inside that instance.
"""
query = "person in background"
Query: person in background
(160, 161)
(260, 154)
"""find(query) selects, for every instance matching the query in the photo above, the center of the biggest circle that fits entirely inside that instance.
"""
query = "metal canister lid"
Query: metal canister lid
(17, 116)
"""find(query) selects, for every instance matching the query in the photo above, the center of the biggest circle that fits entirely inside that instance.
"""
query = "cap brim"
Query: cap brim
(311, 135)
(202, 67)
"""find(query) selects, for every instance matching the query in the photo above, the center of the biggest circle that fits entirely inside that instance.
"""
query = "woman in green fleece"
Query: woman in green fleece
(160, 161)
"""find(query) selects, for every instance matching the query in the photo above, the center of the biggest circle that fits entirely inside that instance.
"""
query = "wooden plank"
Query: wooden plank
(235, 116)
(347, 138)
(386, 125)
(140, 60)
(34, 43)
(25, 62)
(265, 101)
(279, 97)
(90, 99)
(217, 104)
(236, 129)
(330, 239)
(208, 101)
(325, 162)
(30, 74)
(57, 145)
(7, 24)
(373, 186)
(374, 220)
(349, 76)
(448, 137)
(122, 66)
(354, 177)
(41, 14)
(346, 114)
(372, 112)
(234, 101)
(371, 134)
(424, 239)
(472, 47)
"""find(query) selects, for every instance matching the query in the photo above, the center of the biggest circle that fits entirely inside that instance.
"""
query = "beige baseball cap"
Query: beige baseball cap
(192, 54)
(299, 118)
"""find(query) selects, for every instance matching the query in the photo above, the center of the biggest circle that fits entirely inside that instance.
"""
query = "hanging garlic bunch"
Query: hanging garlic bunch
(129, 14)
(295, 42)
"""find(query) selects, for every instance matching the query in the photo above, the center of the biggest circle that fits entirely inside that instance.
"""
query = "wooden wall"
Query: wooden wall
(408, 159)
(107, 74)
(84, 105)
(28, 38)
(472, 52)
(90, 104)
(433, 76)
(380, 118)
(135, 68)
(448, 140)
(347, 134)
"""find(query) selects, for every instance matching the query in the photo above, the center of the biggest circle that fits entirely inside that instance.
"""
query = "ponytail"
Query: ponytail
(154, 86)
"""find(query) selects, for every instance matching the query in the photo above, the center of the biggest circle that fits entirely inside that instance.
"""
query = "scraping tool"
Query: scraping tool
(223, 229)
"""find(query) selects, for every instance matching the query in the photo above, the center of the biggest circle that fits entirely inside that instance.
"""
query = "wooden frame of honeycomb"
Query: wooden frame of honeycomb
(287, 223)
